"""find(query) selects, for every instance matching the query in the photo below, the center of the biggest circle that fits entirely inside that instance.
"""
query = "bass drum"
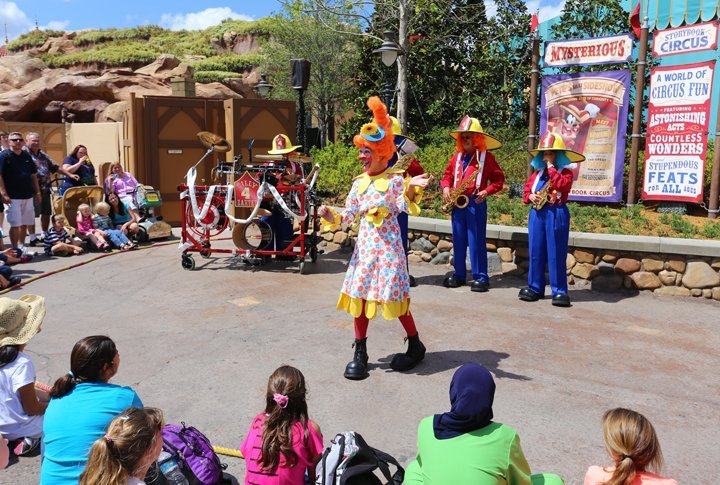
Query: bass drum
(254, 235)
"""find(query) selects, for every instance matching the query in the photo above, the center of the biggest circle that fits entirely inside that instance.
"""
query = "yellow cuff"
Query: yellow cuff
(413, 195)
(329, 226)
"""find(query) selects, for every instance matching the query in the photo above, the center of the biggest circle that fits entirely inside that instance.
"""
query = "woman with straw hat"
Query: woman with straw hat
(22, 409)
(475, 166)
(376, 282)
(547, 190)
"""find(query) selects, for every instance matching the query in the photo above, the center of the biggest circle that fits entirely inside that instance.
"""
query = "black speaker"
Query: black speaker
(300, 73)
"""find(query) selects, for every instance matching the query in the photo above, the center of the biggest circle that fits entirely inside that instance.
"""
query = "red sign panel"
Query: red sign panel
(246, 188)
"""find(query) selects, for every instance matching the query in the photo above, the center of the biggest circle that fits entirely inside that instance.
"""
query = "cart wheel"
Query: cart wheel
(142, 235)
(188, 262)
(313, 254)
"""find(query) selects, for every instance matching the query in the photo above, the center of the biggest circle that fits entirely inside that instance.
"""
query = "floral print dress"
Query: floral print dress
(377, 273)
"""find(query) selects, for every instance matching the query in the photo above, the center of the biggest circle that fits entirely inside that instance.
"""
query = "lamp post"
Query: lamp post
(300, 79)
(389, 52)
(263, 87)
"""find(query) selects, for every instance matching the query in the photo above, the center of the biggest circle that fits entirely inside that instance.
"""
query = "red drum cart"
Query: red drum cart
(206, 214)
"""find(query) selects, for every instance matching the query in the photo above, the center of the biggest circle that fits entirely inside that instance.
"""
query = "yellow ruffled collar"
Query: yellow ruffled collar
(380, 181)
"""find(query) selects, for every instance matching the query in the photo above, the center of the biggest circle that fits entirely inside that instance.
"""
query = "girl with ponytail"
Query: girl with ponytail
(131, 444)
(377, 281)
(82, 404)
(283, 442)
(632, 444)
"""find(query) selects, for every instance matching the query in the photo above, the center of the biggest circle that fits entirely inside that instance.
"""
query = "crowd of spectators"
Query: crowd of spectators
(27, 175)
(95, 432)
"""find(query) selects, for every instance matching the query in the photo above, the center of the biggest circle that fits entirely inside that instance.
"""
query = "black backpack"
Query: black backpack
(351, 461)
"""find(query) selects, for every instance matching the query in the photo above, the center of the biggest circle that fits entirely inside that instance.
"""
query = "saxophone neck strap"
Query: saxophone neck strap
(460, 173)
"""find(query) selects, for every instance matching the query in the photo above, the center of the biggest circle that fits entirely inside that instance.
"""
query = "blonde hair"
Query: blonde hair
(631, 441)
(82, 207)
(102, 206)
(119, 454)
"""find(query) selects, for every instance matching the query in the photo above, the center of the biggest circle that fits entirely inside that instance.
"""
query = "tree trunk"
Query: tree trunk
(402, 81)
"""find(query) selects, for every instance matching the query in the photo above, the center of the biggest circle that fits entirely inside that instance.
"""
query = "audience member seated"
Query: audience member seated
(4, 453)
(465, 445)
(58, 242)
(123, 218)
(22, 409)
(82, 404)
(121, 183)
(6, 273)
(632, 444)
(132, 443)
(84, 220)
(102, 221)
(282, 442)
(78, 163)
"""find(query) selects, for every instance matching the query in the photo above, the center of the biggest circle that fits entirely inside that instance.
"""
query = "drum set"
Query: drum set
(245, 195)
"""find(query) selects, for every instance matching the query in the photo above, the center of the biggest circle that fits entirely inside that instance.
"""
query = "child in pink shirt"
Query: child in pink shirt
(285, 420)
(632, 444)
(85, 227)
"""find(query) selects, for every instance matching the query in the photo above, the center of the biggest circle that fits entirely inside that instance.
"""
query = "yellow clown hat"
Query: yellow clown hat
(554, 142)
(472, 125)
(397, 130)
(281, 145)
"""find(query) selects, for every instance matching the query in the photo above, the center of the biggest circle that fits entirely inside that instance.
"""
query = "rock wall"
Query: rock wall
(595, 269)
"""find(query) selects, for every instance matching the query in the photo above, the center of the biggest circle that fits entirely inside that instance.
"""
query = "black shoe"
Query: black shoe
(356, 369)
(526, 294)
(415, 353)
(413, 283)
(452, 282)
(35, 242)
(479, 286)
(561, 300)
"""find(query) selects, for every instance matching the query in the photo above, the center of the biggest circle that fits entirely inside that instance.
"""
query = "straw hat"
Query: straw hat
(20, 319)
(281, 145)
(472, 125)
(553, 142)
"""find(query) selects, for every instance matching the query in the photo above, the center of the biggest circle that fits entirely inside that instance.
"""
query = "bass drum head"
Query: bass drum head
(256, 234)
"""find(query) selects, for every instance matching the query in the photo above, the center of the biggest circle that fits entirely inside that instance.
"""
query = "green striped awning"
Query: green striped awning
(663, 14)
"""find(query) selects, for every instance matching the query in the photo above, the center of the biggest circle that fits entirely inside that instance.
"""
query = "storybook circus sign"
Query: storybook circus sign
(590, 111)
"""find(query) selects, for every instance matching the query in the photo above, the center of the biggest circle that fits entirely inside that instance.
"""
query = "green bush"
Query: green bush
(228, 63)
(125, 53)
(90, 37)
(338, 166)
(214, 76)
(240, 27)
(34, 38)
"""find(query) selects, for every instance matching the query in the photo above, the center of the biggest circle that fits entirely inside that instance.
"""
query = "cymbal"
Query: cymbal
(216, 142)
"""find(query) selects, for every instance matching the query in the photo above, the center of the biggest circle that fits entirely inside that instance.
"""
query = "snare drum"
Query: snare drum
(256, 234)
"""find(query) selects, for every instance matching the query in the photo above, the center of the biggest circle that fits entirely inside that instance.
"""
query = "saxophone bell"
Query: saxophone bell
(462, 201)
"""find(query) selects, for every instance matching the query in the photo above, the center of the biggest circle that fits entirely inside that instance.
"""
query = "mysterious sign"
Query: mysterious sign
(246, 188)
(584, 52)
(677, 132)
(681, 40)
(589, 111)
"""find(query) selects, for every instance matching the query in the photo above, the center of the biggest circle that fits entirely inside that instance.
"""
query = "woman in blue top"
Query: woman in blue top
(78, 163)
(82, 404)
(123, 218)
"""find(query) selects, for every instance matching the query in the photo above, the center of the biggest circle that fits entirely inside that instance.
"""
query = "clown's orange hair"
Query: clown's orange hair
(385, 148)
(478, 142)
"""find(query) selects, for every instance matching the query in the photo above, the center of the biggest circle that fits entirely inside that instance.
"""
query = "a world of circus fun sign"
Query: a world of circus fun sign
(677, 132)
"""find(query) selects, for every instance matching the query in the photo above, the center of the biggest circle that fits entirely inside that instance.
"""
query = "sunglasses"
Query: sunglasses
(16, 139)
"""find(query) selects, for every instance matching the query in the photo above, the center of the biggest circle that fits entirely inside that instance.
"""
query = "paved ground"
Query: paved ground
(200, 345)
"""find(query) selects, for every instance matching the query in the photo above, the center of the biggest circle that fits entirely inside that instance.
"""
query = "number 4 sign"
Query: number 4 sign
(246, 188)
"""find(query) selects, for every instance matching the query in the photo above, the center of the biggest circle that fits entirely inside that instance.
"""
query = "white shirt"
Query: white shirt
(14, 422)
(135, 481)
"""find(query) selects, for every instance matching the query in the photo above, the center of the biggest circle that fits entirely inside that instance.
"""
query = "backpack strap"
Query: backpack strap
(383, 460)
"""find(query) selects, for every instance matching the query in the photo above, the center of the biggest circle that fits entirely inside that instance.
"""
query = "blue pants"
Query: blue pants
(548, 231)
(403, 222)
(117, 237)
(469, 227)
(6, 272)
(282, 228)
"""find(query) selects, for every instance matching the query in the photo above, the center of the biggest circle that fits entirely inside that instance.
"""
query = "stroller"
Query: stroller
(146, 199)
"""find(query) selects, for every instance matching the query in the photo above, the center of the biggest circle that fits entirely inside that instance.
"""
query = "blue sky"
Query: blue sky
(20, 15)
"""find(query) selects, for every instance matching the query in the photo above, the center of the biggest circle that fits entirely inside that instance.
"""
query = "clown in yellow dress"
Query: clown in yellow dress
(377, 282)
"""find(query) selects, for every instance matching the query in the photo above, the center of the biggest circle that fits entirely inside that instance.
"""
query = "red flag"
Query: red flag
(534, 23)
(635, 20)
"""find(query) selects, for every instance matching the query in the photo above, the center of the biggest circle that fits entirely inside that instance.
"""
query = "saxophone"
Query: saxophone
(457, 198)
(543, 197)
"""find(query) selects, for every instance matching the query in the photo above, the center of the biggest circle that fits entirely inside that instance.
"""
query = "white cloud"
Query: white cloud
(200, 20)
(545, 12)
(18, 22)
